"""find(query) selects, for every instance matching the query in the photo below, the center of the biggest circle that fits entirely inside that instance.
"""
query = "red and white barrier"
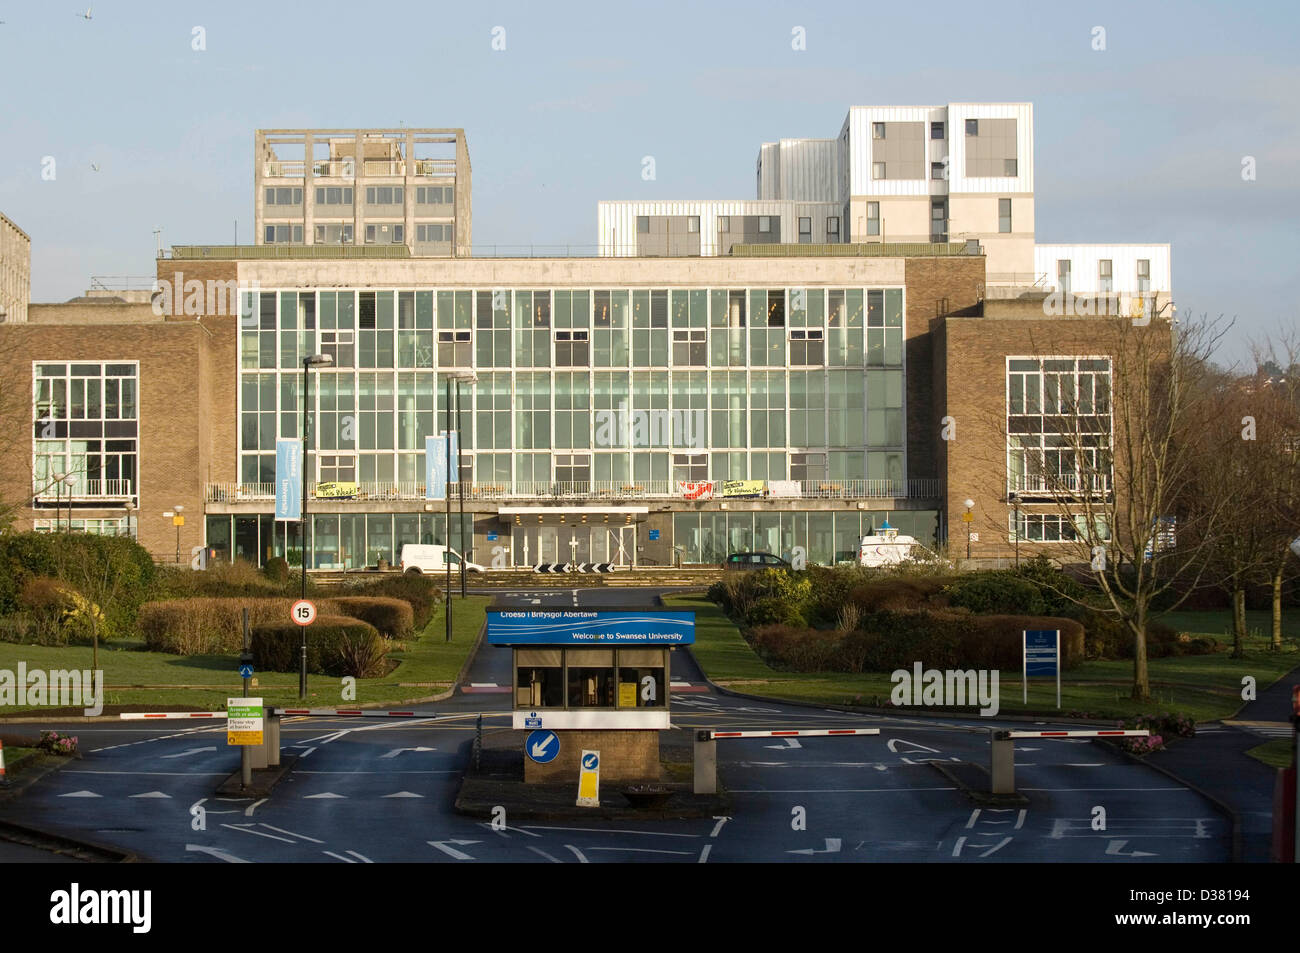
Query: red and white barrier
(1134, 733)
(809, 733)
(143, 715)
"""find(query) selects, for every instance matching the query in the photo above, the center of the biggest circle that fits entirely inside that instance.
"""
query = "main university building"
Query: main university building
(793, 370)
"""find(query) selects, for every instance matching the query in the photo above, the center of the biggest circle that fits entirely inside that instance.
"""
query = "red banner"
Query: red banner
(701, 490)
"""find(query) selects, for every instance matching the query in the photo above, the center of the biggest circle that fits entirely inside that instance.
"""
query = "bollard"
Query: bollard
(706, 763)
(273, 740)
(257, 753)
(1002, 762)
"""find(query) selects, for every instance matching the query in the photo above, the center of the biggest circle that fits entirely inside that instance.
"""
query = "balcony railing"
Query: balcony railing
(86, 490)
(1050, 486)
(594, 490)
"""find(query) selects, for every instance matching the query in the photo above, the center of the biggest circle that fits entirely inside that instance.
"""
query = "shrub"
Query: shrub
(393, 617)
(54, 743)
(1004, 592)
(1170, 725)
(276, 569)
(901, 592)
(48, 608)
(771, 610)
(336, 646)
(223, 580)
(414, 588)
(795, 648)
(205, 626)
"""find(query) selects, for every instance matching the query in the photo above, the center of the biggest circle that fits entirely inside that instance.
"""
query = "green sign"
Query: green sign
(244, 721)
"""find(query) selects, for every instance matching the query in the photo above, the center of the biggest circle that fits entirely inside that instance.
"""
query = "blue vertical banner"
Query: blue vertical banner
(453, 476)
(288, 480)
(435, 468)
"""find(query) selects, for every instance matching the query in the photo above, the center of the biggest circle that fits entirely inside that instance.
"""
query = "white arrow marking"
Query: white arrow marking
(219, 854)
(789, 743)
(81, 794)
(280, 830)
(186, 754)
(718, 826)
(248, 811)
(912, 746)
(452, 851)
(153, 794)
(832, 847)
(403, 794)
(539, 749)
(327, 794)
(1116, 849)
(396, 751)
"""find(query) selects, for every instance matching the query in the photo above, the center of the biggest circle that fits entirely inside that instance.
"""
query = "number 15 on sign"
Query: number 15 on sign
(303, 612)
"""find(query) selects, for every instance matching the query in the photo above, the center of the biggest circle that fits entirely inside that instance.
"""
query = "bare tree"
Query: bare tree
(1105, 457)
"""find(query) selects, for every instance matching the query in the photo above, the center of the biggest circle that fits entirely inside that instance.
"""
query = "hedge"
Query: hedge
(394, 618)
(414, 588)
(891, 640)
(336, 646)
(205, 626)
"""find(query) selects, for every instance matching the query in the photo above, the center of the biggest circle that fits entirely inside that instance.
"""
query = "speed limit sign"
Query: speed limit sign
(303, 612)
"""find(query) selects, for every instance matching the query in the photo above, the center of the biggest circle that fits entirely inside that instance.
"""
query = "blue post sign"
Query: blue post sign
(1041, 657)
(288, 480)
(590, 627)
(654, 535)
(542, 746)
(246, 670)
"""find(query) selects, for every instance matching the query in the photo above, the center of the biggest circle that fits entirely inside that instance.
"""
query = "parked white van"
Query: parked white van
(888, 548)
(423, 558)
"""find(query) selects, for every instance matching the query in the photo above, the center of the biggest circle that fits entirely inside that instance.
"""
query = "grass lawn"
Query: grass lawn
(1205, 687)
(1276, 753)
(140, 680)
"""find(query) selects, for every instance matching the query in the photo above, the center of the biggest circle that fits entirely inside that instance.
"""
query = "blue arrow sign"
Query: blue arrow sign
(542, 746)
(590, 761)
(246, 670)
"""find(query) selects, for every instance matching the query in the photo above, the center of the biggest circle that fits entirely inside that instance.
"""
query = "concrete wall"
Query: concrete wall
(624, 756)
(15, 272)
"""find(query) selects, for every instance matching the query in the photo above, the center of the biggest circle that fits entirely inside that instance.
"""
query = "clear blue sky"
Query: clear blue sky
(1140, 143)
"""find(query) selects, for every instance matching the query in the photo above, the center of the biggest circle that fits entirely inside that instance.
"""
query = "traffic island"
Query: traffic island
(495, 778)
(264, 779)
(976, 783)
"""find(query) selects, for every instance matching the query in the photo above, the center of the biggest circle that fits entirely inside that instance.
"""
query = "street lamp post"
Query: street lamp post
(58, 498)
(446, 493)
(175, 519)
(468, 377)
(1015, 505)
(969, 518)
(315, 360)
(70, 480)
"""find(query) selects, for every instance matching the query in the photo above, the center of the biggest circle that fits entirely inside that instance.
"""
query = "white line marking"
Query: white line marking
(328, 795)
(577, 853)
(346, 860)
(704, 854)
(600, 830)
(538, 850)
(248, 811)
(452, 851)
(215, 852)
(1002, 843)
(717, 828)
(956, 848)
(1020, 819)
(244, 830)
(186, 754)
(641, 850)
(152, 794)
(974, 814)
(292, 834)
(156, 774)
(361, 857)
(81, 794)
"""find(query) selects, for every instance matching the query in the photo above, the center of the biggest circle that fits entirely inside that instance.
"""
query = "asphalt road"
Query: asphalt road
(378, 790)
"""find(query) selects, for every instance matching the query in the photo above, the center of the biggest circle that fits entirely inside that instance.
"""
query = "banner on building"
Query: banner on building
(740, 488)
(288, 480)
(436, 476)
(784, 488)
(697, 490)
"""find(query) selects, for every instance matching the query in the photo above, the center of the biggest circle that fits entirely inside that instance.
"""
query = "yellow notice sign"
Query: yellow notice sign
(627, 694)
(589, 780)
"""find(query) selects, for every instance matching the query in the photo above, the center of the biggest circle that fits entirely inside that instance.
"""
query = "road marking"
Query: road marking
(403, 794)
(145, 741)
(832, 847)
(600, 830)
(155, 774)
(974, 814)
(704, 854)
(396, 751)
(1072, 790)
(215, 852)
(538, 850)
(243, 829)
(1116, 849)
(387, 774)
(81, 794)
(346, 860)
(789, 743)
(642, 850)
(717, 828)
(899, 790)
(361, 857)
(291, 833)
(893, 743)
(186, 754)
(452, 851)
(517, 830)
(327, 794)
(153, 794)
(577, 853)
(248, 811)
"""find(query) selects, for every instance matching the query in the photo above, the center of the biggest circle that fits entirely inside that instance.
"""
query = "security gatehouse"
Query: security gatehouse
(597, 678)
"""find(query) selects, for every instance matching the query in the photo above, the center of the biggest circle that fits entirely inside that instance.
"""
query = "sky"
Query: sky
(1143, 141)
